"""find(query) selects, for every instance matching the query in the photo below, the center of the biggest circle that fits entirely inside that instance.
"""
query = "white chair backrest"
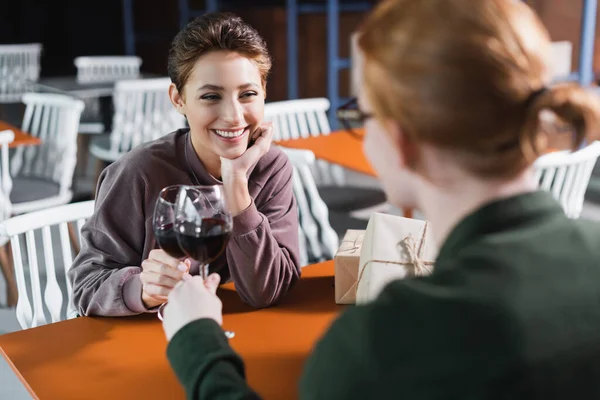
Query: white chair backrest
(54, 119)
(19, 66)
(6, 137)
(143, 112)
(318, 240)
(293, 119)
(566, 175)
(32, 237)
(107, 68)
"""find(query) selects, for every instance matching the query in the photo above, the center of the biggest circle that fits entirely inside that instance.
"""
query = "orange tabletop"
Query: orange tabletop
(21, 138)
(339, 147)
(125, 358)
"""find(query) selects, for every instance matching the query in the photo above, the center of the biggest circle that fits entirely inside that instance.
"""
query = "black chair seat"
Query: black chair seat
(348, 198)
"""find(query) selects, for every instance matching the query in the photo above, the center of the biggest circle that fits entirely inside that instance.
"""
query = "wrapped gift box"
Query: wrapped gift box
(346, 263)
(393, 248)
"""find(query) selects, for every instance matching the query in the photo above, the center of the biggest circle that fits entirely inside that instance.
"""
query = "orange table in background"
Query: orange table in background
(125, 358)
(342, 148)
(21, 138)
(339, 147)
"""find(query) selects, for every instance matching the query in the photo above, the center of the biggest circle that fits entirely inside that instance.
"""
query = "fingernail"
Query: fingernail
(182, 267)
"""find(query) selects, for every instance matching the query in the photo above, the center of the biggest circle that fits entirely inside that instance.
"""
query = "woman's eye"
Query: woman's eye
(210, 97)
(248, 94)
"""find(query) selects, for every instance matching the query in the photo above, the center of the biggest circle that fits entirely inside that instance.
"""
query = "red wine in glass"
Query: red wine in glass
(208, 242)
(202, 223)
(164, 222)
(166, 238)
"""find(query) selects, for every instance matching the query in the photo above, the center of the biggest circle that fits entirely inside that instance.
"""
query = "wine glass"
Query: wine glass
(163, 222)
(163, 225)
(203, 225)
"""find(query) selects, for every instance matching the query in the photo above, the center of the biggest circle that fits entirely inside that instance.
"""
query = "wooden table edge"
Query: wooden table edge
(322, 269)
(34, 141)
(18, 374)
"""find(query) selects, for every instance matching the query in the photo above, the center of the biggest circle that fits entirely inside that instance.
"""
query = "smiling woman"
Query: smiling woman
(218, 66)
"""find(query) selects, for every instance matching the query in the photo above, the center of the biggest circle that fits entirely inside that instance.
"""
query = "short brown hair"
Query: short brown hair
(464, 75)
(215, 32)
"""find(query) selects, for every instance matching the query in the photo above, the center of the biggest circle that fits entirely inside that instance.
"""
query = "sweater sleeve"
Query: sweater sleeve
(105, 275)
(263, 255)
(206, 365)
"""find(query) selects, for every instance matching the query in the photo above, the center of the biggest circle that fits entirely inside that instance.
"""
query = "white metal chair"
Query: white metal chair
(42, 175)
(295, 119)
(19, 67)
(318, 240)
(107, 68)
(6, 137)
(143, 112)
(92, 69)
(566, 175)
(33, 238)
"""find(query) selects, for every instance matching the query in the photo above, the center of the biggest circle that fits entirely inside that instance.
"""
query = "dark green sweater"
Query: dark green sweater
(511, 312)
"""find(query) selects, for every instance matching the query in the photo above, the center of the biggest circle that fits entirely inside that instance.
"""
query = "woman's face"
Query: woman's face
(223, 100)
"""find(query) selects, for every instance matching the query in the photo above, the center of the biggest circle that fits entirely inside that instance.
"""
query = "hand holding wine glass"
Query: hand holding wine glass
(160, 274)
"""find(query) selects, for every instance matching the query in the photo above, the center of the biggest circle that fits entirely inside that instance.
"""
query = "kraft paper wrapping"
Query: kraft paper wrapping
(393, 248)
(346, 263)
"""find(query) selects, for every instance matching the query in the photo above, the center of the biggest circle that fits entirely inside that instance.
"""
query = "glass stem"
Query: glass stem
(204, 271)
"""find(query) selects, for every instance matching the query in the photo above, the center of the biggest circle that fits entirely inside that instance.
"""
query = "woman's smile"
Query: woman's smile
(234, 135)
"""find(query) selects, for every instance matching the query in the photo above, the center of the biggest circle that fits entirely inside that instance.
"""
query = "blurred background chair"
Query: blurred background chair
(6, 137)
(43, 175)
(566, 175)
(318, 240)
(295, 119)
(95, 119)
(107, 68)
(19, 67)
(92, 69)
(36, 265)
(143, 112)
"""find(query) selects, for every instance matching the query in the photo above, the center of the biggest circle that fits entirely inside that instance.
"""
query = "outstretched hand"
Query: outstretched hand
(190, 300)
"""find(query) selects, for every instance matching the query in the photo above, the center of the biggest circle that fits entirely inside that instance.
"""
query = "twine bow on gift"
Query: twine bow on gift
(355, 244)
(414, 252)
